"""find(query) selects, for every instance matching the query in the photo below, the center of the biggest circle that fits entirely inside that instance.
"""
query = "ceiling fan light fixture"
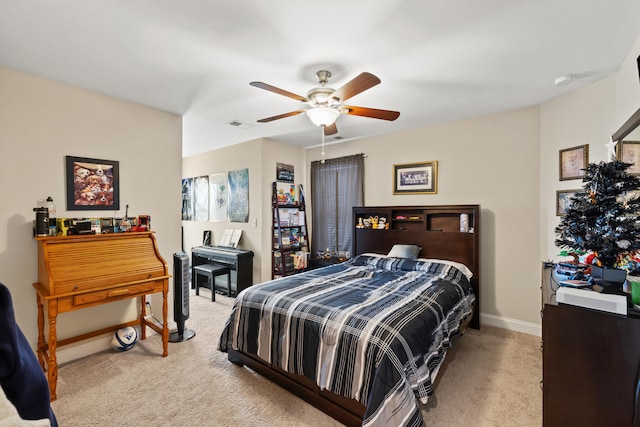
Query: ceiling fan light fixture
(323, 116)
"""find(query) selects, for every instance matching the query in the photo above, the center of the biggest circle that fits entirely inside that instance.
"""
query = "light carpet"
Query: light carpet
(491, 378)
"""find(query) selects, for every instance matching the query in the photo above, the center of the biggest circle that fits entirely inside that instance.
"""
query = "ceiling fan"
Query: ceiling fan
(327, 104)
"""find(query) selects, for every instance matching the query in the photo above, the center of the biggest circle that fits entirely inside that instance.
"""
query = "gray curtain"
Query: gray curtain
(336, 187)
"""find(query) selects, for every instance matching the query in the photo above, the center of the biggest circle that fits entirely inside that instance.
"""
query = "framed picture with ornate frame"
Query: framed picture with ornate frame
(563, 200)
(92, 184)
(629, 152)
(572, 162)
(416, 178)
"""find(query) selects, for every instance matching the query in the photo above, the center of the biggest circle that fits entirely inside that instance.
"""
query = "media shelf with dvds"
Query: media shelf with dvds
(290, 249)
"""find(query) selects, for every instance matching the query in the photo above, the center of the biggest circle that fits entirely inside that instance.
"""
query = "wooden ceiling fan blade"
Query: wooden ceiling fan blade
(279, 91)
(370, 112)
(330, 130)
(358, 85)
(280, 116)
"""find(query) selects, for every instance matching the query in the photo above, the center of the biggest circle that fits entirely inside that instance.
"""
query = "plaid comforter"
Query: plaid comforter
(373, 329)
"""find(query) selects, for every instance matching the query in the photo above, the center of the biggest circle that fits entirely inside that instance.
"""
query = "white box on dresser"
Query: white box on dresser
(590, 299)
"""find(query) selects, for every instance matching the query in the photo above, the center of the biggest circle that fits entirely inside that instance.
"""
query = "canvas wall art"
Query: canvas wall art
(218, 197)
(201, 198)
(187, 199)
(239, 195)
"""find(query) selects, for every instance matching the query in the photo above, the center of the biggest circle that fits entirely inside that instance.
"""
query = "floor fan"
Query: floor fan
(181, 297)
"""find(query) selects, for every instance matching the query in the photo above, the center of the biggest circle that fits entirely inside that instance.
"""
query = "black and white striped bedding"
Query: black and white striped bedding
(373, 329)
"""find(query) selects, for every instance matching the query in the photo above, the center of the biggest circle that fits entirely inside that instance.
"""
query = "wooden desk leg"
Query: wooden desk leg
(143, 314)
(52, 372)
(165, 324)
(41, 344)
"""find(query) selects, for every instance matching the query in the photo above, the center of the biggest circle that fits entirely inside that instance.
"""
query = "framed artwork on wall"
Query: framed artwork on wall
(92, 184)
(207, 238)
(238, 182)
(187, 199)
(416, 178)
(563, 200)
(572, 162)
(284, 173)
(201, 198)
(629, 152)
(218, 197)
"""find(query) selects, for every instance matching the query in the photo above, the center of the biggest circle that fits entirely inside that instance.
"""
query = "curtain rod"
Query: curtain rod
(356, 154)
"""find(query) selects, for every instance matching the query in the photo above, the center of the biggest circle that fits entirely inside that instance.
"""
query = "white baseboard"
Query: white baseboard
(71, 352)
(511, 324)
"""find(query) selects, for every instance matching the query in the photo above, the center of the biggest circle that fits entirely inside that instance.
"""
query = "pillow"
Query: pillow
(463, 268)
(404, 251)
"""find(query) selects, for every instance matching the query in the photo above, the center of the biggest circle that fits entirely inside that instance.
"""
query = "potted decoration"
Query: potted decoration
(603, 219)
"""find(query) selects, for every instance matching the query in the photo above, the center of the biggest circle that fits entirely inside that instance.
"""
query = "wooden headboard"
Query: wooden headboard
(436, 229)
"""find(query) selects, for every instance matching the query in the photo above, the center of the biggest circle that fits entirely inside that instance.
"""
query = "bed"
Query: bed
(363, 340)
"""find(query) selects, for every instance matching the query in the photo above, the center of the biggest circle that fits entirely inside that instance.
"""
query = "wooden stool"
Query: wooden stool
(210, 272)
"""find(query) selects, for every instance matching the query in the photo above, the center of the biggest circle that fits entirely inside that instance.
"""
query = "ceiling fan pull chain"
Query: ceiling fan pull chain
(322, 154)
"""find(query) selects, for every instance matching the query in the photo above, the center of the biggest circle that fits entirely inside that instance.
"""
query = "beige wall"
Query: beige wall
(586, 116)
(41, 121)
(491, 161)
(506, 162)
(260, 157)
(589, 115)
(627, 86)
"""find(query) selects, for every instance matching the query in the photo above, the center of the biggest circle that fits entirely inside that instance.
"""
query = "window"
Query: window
(336, 187)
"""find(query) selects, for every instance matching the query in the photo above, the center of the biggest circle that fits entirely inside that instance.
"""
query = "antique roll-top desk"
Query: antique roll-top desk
(76, 272)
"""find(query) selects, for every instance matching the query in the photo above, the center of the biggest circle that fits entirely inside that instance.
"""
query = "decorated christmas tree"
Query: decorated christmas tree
(603, 218)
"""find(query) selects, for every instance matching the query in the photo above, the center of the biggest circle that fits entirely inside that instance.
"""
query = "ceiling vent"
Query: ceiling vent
(239, 124)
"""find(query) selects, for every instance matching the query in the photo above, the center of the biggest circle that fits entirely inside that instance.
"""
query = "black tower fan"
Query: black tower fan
(181, 297)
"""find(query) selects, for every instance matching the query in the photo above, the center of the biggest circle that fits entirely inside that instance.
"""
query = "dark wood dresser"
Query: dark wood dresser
(591, 367)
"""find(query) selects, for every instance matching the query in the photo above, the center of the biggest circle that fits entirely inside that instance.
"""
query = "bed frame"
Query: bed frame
(434, 228)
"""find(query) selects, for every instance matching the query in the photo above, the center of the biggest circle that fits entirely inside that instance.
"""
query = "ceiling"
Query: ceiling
(439, 60)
